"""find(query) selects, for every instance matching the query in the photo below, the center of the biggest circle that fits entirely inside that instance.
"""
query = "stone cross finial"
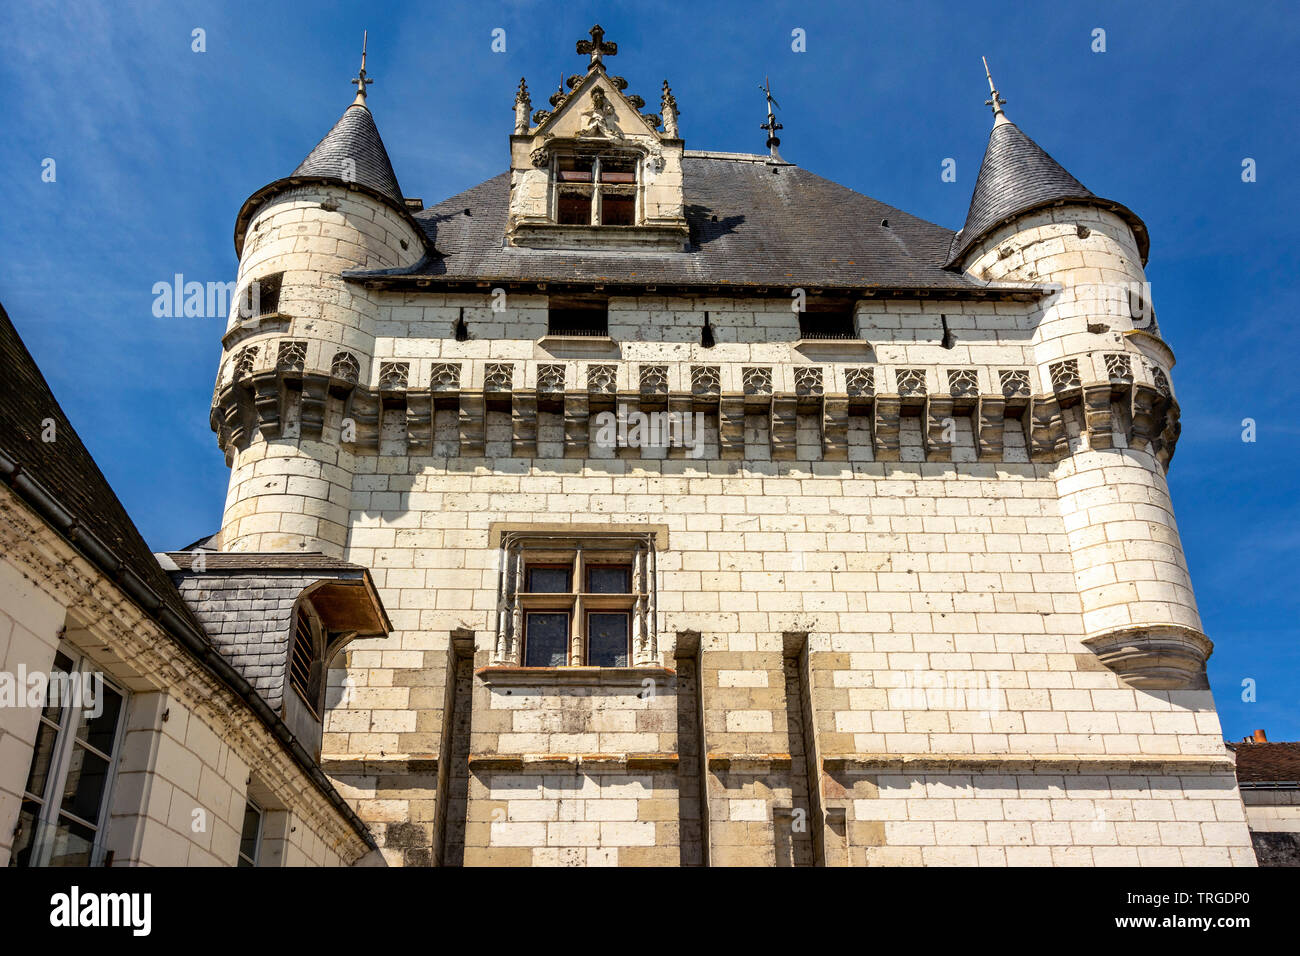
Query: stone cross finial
(360, 81)
(771, 125)
(597, 47)
(996, 101)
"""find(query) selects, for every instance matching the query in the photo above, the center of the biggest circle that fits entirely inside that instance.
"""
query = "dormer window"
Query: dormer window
(306, 659)
(595, 190)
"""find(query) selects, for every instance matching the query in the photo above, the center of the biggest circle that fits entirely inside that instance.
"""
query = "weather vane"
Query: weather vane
(771, 125)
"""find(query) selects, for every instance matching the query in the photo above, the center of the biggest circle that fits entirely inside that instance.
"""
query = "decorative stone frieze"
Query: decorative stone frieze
(911, 382)
(602, 379)
(393, 375)
(1119, 368)
(860, 382)
(808, 380)
(1064, 375)
(317, 405)
(757, 381)
(500, 377)
(963, 383)
(445, 377)
(654, 379)
(345, 368)
(1015, 383)
(706, 380)
(292, 356)
(550, 378)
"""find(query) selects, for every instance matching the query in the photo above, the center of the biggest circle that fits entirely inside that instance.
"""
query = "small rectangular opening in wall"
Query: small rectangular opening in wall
(828, 323)
(577, 315)
(261, 296)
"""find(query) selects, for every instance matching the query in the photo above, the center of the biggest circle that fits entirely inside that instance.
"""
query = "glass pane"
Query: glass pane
(547, 640)
(73, 843)
(99, 731)
(87, 780)
(41, 757)
(248, 840)
(607, 640)
(25, 835)
(609, 580)
(548, 580)
(55, 700)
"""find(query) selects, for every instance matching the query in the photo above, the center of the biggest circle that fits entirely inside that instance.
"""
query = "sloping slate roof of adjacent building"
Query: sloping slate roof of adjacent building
(1018, 176)
(61, 482)
(353, 152)
(1267, 762)
(752, 223)
(65, 471)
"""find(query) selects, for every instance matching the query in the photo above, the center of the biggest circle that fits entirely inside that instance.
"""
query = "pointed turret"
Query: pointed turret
(351, 154)
(1018, 176)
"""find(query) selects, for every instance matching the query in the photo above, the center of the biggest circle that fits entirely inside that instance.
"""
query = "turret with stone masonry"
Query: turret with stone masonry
(1110, 407)
(282, 408)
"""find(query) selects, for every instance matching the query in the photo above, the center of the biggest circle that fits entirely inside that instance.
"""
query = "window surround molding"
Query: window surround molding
(582, 547)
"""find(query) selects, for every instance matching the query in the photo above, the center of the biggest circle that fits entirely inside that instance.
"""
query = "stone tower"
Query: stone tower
(1099, 356)
(300, 338)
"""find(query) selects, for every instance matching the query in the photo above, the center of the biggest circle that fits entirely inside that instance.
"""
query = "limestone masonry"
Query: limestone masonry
(912, 592)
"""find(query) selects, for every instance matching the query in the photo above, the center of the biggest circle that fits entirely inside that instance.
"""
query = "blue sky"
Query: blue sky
(157, 146)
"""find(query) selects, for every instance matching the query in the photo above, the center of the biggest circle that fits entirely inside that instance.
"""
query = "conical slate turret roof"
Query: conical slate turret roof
(353, 152)
(1018, 176)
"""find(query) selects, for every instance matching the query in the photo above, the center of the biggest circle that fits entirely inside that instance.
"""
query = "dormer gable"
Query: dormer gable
(594, 171)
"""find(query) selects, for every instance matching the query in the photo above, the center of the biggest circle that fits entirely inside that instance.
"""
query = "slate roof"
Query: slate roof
(1268, 762)
(354, 138)
(65, 471)
(752, 223)
(263, 561)
(1017, 176)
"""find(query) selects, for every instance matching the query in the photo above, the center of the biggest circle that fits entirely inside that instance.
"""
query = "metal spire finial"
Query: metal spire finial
(360, 81)
(771, 125)
(995, 101)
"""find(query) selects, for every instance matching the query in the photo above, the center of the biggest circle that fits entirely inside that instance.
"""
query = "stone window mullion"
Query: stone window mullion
(576, 623)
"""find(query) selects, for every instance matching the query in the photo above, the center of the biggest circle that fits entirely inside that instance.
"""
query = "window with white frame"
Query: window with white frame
(69, 785)
(575, 601)
(250, 839)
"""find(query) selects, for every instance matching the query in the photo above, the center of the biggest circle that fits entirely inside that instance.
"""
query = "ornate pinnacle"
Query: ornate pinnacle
(523, 106)
(597, 47)
(360, 81)
(996, 101)
(668, 106)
